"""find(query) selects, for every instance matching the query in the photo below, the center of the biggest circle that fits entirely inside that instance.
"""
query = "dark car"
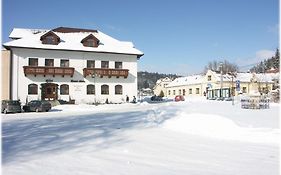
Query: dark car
(10, 106)
(156, 98)
(179, 98)
(37, 106)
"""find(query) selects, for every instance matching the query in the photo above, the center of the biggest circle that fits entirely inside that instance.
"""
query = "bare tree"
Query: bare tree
(226, 66)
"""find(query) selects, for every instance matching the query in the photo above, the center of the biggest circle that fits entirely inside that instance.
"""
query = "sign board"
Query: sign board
(237, 85)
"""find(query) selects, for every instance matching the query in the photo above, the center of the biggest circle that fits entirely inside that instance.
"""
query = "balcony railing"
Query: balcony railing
(37, 70)
(105, 72)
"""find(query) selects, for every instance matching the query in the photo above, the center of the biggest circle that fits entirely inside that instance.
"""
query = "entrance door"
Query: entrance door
(49, 91)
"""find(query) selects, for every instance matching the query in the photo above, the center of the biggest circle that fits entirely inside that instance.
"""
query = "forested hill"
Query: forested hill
(148, 80)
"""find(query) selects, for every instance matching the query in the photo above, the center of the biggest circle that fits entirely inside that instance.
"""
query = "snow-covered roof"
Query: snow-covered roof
(181, 81)
(30, 38)
(267, 77)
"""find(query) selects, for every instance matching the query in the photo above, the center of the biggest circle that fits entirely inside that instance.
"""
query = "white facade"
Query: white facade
(77, 83)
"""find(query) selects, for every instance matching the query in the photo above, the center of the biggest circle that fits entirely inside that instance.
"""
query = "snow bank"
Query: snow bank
(217, 126)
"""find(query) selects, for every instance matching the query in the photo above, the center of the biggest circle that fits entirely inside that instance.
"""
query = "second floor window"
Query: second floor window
(105, 64)
(118, 65)
(64, 63)
(209, 77)
(49, 62)
(33, 61)
(90, 64)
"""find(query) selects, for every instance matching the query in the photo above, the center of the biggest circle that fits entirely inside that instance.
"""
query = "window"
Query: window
(197, 90)
(90, 43)
(105, 89)
(183, 92)
(105, 64)
(33, 61)
(32, 89)
(49, 62)
(118, 65)
(64, 63)
(174, 92)
(169, 92)
(180, 92)
(190, 91)
(90, 64)
(209, 77)
(90, 89)
(64, 89)
(118, 90)
(244, 90)
(49, 40)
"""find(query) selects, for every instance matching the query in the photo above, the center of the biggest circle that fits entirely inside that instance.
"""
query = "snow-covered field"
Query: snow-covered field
(196, 137)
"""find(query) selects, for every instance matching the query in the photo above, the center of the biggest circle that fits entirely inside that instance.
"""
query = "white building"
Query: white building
(161, 86)
(82, 65)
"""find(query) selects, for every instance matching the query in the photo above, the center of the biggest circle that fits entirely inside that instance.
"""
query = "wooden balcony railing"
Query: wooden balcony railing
(105, 72)
(43, 70)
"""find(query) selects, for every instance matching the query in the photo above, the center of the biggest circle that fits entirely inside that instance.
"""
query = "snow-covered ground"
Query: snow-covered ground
(195, 137)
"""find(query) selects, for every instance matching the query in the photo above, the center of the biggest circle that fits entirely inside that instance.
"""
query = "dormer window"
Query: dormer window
(90, 41)
(50, 38)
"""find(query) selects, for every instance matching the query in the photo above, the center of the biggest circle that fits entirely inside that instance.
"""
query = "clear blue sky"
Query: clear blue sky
(176, 36)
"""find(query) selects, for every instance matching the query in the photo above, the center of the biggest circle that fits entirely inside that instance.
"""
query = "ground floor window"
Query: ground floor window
(197, 91)
(244, 90)
(174, 92)
(190, 91)
(169, 92)
(183, 92)
(90, 89)
(32, 89)
(104, 89)
(118, 90)
(64, 89)
(180, 92)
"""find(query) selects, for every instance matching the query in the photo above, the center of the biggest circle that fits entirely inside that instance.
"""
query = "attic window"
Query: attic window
(90, 41)
(50, 38)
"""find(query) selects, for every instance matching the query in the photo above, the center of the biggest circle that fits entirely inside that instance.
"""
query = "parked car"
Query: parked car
(156, 98)
(37, 106)
(10, 106)
(179, 98)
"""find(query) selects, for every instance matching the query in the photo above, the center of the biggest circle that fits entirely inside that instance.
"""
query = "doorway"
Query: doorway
(49, 91)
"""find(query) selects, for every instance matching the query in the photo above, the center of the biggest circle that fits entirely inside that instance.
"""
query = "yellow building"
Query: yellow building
(5, 74)
(213, 85)
(161, 86)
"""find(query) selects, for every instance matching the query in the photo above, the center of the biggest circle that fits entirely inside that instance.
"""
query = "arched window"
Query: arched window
(64, 89)
(32, 89)
(105, 89)
(90, 89)
(118, 90)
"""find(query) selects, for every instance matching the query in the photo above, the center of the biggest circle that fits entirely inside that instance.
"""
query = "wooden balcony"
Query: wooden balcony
(105, 72)
(43, 70)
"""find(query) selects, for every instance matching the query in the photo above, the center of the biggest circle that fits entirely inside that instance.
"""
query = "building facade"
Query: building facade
(213, 85)
(161, 86)
(5, 74)
(77, 65)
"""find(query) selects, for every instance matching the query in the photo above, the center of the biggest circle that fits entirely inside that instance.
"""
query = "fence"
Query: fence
(255, 103)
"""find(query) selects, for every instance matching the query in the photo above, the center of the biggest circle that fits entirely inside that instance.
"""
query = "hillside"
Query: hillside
(148, 80)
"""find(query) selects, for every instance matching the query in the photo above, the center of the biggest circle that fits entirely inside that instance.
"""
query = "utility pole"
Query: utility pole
(221, 79)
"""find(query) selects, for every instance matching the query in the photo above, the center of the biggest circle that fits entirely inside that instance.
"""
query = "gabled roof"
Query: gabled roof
(50, 33)
(71, 37)
(91, 36)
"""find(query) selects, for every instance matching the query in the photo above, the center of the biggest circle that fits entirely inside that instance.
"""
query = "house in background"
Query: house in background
(211, 86)
(161, 86)
(81, 65)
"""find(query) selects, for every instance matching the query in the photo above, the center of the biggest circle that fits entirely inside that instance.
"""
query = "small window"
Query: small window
(90, 64)
(197, 91)
(118, 65)
(50, 40)
(174, 92)
(104, 89)
(244, 90)
(190, 91)
(49, 62)
(169, 92)
(64, 89)
(33, 61)
(209, 77)
(118, 90)
(180, 92)
(90, 43)
(64, 63)
(183, 92)
(105, 64)
(32, 89)
(90, 89)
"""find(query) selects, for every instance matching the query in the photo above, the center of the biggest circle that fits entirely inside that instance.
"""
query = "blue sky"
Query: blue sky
(176, 36)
